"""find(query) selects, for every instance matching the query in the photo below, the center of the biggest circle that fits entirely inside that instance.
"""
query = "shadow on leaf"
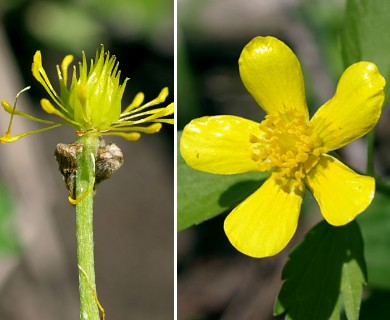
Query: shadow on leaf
(239, 192)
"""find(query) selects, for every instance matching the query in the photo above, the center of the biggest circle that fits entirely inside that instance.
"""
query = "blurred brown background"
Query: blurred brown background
(133, 210)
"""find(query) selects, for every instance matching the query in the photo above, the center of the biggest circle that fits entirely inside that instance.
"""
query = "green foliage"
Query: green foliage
(9, 243)
(323, 19)
(49, 22)
(375, 224)
(202, 196)
(365, 37)
(326, 270)
(365, 34)
(187, 92)
(96, 22)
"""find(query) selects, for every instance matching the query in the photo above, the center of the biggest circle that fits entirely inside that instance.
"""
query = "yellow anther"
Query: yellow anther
(288, 146)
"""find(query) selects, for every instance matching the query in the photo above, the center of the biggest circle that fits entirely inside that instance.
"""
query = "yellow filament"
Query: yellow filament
(102, 312)
(8, 133)
(287, 145)
(76, 201)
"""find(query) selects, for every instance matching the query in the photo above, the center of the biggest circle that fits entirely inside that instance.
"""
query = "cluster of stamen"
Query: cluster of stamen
(288, 146)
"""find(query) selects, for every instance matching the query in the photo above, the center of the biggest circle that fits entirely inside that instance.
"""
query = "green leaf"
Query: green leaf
(202, 196)
(48, 21)
(375, 225)
(365, 34)
(325, 270)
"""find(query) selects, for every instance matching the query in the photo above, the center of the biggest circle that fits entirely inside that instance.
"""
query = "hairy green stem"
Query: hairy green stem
(85, 179)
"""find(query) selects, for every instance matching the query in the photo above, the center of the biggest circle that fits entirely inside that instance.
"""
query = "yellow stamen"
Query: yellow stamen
(76, 201)
(160, 99)
(8, 133)
(7, 137)
(137, 101)
(50, 109)
(64, 67)
(153, 115)
(85, 194)
(288, 146)
(153, 128)
(130, 136)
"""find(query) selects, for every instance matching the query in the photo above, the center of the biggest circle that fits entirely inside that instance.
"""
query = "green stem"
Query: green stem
(85, 179)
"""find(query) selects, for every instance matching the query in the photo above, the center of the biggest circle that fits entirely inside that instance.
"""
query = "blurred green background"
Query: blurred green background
(133, 210)
(139, 33)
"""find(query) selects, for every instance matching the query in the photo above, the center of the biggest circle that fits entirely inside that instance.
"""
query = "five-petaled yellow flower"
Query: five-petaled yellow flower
(290, 145)
(92, 101)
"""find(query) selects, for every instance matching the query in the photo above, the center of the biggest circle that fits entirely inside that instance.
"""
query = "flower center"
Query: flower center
(289, 146)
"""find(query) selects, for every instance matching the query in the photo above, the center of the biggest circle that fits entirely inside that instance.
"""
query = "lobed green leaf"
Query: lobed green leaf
(375, 225)
(326, 270)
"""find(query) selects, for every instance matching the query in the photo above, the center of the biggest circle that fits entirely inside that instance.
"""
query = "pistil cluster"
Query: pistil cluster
(288, 146)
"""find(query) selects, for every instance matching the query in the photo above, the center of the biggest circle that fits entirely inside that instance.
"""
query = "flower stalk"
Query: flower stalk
(90, 101)
(85, 180)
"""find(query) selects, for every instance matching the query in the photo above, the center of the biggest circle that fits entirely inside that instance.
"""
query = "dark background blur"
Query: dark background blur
(214, 280)
(133, 210)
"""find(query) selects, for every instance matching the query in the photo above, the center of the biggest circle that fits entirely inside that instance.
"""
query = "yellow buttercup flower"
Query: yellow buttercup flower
(92, 102)
(290, 145)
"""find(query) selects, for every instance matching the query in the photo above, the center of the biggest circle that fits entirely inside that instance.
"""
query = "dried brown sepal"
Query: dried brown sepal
(109, 159)
(66, 156)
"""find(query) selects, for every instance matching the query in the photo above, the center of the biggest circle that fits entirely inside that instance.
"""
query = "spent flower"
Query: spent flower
(293, 147)
(92, 102)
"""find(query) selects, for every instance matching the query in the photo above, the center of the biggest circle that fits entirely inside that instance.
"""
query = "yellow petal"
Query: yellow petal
(219, 144)
(263, 224)
(340, 192)
(354, 109)
(272, 74)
